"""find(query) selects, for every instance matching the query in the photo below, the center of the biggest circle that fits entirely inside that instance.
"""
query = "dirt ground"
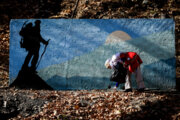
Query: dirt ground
(34, 104)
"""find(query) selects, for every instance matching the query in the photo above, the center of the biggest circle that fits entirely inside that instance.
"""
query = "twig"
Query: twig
(77, 2)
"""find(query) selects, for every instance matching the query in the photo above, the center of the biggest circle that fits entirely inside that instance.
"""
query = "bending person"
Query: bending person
(131, 62)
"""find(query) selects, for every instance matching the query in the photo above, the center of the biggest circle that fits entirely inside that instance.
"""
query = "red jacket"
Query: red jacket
(132, 60)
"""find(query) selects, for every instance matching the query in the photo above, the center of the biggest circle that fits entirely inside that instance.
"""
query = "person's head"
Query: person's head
(107, 63)
(37, 22)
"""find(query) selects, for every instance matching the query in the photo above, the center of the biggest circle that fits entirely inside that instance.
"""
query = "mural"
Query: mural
(76, 51)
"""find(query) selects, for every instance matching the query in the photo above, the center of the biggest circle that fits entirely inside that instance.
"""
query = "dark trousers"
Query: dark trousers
(34, 52)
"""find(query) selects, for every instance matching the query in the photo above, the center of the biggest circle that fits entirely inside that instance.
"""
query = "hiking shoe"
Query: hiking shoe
(141, 90)
(128, 90)
(114, 88)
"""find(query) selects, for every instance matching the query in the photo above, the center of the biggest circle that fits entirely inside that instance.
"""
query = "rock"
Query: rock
(145, 2)
(28, 79)
(83, 103)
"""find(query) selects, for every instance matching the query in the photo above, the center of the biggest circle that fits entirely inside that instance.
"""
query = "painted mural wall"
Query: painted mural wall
(75, 56)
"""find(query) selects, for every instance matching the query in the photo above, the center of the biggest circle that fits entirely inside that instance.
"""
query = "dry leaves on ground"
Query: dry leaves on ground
(94, 104)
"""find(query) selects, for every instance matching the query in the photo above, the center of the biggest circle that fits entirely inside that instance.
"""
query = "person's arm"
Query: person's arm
(139, 59)
(111, 64)
(43, 41)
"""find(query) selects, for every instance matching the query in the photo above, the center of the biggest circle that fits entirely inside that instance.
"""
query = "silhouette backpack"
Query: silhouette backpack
(119, 73)
(26, 36)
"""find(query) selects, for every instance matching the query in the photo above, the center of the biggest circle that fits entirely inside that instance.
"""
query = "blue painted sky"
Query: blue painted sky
(74, 37)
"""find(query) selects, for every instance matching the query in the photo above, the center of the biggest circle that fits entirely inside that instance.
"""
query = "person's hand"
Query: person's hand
(47, 42)
(109, 67)
(125, 65)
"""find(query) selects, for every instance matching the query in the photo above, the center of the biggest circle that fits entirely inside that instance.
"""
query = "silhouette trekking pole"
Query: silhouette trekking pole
(42, 55)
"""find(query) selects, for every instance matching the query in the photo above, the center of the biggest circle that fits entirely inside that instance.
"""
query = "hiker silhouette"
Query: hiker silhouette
(31, 39)
(27, 77)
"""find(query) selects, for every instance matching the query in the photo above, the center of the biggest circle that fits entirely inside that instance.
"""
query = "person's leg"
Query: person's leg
(27, 59)
(35, 59)
(139, 79)
(128, 81)
(117, 84)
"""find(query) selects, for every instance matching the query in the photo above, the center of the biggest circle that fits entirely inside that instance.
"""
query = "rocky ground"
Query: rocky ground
(96, 104)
